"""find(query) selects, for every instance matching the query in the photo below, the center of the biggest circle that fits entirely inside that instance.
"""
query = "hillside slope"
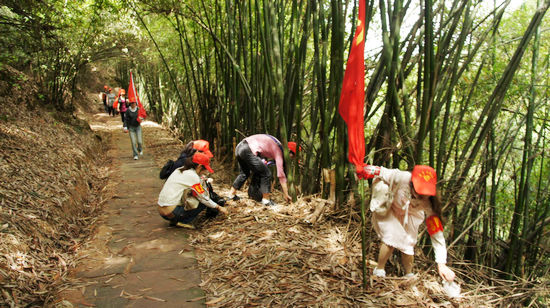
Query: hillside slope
(51, 175)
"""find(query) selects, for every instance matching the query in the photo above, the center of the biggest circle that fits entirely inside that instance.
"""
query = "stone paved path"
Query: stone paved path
(135, 259)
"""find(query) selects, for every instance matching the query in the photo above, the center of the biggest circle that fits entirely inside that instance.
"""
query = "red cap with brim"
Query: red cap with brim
(292, 147)
(202, 159)
(203, 146)
(424, 179)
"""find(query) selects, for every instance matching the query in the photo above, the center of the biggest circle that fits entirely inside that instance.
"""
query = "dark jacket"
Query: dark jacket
(130, 118)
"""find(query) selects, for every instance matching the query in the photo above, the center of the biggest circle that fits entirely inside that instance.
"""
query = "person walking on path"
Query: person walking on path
(104, 98)
(253, 154)
(111, 97)
(184, 196)
(400, 202)
(121, 104)
(132, 124)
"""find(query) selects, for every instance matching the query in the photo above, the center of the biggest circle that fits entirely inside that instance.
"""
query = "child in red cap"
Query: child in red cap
(189, 149)
(104, 97)
(184, 194)
(111, 97)
(122, 104)
(400, 202)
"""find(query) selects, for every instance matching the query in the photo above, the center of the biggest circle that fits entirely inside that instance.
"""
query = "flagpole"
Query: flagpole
(361, 184)
(351, 108)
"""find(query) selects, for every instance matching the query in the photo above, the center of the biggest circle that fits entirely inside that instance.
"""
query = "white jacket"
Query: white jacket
(399, 227)
(178, 182)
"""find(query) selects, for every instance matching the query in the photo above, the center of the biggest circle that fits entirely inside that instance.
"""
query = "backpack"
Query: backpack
(110, 99)
(214, 196)
(171, 166)
(167, 169)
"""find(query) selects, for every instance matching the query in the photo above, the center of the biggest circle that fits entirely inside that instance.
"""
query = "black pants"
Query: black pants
(183, 216)
(122, 116)
(250, 163)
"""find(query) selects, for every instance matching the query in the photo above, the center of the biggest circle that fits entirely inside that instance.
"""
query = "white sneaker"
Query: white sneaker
(135, 157)
(410, 275)
(140, 152)
(379, 272)
(269, 203)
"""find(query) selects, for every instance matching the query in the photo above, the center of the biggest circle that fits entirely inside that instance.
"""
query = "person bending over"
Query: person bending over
(401, 202)
(253, 154)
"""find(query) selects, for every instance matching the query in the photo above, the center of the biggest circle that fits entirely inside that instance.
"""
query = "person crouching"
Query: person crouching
(184, 194)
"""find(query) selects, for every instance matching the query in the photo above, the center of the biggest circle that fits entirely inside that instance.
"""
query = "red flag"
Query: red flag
(133, 97)
(353, 95)
(115, 104)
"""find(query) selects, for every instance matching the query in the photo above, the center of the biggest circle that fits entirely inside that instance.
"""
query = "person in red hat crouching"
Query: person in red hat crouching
(401, 201)
(189, 150)
(184, 194)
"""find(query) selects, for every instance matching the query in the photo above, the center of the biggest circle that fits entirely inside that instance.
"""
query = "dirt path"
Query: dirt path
(135, 259)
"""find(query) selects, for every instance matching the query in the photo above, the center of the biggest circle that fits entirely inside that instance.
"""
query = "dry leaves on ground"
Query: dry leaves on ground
(50, 183)
(260, 256)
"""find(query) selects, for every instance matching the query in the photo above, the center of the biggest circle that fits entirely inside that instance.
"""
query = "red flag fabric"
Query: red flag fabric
(134, 97)
(353, 95)
(115, 104)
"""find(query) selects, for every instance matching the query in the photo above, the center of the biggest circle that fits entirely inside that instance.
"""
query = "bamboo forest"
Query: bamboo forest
(274, 153)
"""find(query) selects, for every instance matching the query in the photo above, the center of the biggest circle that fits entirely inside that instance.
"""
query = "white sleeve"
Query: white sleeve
(203, 197)
(438, 238)
(194, 181)
(440, 249)
(395, 176)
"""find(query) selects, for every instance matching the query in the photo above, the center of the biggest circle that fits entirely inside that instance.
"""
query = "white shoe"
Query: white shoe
(410, 275)
(269, 203)
(140, 152)
(379, 272)
(135, 157)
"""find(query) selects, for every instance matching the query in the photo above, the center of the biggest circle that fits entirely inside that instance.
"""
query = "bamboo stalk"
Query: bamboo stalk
(362, 201)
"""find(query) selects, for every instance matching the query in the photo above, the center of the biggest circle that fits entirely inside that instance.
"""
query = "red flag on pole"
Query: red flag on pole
(133, 97)
(353, 95)
(115, 104)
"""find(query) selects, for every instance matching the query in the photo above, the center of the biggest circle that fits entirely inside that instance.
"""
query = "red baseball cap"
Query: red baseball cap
(424, 179)
(292, 147)
(203, 146)
(202, 159)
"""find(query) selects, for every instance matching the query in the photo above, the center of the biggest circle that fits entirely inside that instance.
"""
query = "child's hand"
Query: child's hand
(445, 272)
(223, 210)
(288, 198)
